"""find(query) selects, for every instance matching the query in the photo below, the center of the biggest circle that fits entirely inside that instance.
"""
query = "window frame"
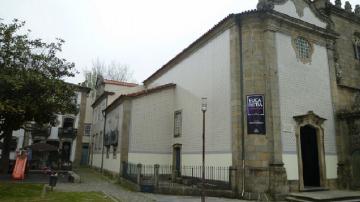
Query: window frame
(178, 133)
(87, 129)
(356, 46)
(300, 52)
(114, 148)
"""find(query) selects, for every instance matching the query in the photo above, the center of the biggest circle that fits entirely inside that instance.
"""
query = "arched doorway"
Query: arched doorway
(310, 156)
(310, 151)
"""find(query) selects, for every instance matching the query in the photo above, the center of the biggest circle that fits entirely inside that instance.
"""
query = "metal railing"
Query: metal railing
(217, 177)
(215, 173)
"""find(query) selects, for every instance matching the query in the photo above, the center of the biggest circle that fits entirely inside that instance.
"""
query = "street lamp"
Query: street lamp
(203, 109)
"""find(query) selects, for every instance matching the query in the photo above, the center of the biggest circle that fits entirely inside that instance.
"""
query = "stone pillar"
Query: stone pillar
(278, 186)
(80, 131)
(278, 182)
(138, 177)
(236, 105)
(156, 175)
(125, 131)
(232, 176)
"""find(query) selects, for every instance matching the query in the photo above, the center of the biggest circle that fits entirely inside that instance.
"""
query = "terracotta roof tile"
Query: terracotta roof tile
(118, 100)
(120, 83)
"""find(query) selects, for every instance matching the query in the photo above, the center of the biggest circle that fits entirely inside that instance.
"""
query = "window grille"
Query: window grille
(303, 48)
(177, 123)
(87, 129)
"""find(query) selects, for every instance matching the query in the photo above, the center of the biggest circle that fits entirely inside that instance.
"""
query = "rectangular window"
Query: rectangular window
(101, 139)
(177, 123)
(357, 50)
(87, 129)
(107, 152)
(114, 151)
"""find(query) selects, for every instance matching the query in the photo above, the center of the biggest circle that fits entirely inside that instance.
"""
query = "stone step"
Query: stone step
(324, 196)
(294, 199)
(312, 189)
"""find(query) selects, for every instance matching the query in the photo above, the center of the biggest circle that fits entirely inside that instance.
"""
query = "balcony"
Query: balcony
(67, 132)
(39, 132)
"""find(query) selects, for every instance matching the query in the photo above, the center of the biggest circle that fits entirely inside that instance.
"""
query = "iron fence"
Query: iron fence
(218, 177)
(215, 173)
(130, 171)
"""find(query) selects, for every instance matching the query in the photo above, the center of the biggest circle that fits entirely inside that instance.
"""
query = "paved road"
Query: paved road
(92, 181)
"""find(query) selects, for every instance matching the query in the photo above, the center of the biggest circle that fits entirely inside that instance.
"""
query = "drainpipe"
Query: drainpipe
(92, 139)
(102, 152)
(242, 108)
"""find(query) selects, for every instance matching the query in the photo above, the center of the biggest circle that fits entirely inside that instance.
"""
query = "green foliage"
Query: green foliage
(31, 88)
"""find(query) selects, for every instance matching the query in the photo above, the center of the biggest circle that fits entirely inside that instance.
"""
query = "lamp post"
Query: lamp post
(203, 109)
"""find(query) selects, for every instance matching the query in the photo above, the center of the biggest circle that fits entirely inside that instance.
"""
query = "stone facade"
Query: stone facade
(311, 84)
(347, 24)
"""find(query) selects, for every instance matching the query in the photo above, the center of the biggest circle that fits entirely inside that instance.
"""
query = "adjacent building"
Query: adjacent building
(70, 135)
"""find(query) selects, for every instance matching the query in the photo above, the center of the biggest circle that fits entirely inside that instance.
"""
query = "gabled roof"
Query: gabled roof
(226, 23)
(119, 83)
(183, 54)
(101, 97)
(119, 100)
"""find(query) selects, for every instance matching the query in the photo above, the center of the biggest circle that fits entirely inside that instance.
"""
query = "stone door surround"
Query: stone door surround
(316, 122)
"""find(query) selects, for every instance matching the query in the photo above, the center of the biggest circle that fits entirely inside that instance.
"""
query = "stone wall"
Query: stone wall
(347, 25)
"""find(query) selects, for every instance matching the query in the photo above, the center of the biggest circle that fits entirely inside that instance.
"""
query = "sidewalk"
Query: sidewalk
(93, 181)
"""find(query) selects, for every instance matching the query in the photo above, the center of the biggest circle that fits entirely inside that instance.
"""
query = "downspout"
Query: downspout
(242, 108)
(92, 139)
(103, 145)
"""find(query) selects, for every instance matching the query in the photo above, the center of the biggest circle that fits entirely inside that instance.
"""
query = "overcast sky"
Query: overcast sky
(143, 34)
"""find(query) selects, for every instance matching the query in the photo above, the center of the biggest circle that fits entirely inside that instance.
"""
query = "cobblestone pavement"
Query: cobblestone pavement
(93, 181)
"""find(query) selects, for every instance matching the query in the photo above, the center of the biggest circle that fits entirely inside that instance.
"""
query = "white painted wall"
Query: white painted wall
(150, 159)
(19, 134)
(152, 125)
(210, 160)
(292, 169)
(122, 89)
(303, 88)
(73, 150)
(110, 163)
(309, 16)
(97, 160)
(205, 73)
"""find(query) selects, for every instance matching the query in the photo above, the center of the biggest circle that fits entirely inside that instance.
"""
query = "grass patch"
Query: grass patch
(76, 197)
(18, 192)
(12, 191)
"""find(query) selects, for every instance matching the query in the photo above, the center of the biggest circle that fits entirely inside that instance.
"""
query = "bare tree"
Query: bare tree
(113, 71)
(118, 72)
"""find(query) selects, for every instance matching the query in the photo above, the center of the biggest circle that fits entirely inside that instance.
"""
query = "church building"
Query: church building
(282, 84)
